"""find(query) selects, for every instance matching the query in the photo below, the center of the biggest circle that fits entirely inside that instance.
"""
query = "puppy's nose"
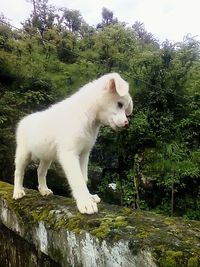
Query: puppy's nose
(126, 123)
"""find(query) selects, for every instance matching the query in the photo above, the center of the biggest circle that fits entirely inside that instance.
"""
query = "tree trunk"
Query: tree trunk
(172, 198)
(137, 200)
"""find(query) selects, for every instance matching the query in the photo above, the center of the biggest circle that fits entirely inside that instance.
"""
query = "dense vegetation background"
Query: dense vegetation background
(155, 163)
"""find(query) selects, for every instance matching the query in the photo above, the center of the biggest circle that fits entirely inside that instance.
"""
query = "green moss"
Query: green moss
(60, 223)
(120, 221)
(168, 221)
(160, 248)
(103, 230)
(76, 222)
(172, 259)
(168, 262)
(174, 254)
(127, 211)
(106, 226)
(142, 234)
(193, 262)
(45, 215)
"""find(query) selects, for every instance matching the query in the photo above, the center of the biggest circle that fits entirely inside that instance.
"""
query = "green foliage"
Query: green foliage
(155, 162)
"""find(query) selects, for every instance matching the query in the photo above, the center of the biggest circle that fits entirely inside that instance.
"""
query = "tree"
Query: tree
(111, 46)
(42, 17)
(107, 18)
(142, 35)
(5, 32)
(72, 20)
(169, 164)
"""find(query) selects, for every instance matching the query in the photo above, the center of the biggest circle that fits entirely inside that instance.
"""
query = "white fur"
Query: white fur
(67, 132)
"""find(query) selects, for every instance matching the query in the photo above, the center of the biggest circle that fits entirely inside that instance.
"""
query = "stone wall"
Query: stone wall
(17, 252)
(114, 237)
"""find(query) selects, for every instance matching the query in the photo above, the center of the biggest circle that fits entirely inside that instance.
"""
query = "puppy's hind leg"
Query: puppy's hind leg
(22, 158)
(42, 172)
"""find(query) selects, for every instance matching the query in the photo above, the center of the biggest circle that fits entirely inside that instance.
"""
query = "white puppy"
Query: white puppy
(67, 132)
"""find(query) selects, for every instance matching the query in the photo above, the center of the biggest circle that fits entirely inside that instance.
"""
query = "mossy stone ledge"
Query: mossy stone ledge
(116, 236)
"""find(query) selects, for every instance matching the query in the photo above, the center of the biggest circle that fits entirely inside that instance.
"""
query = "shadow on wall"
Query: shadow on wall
(16, 252)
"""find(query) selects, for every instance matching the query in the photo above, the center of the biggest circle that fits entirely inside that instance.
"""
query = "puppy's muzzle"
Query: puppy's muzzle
(126, 123)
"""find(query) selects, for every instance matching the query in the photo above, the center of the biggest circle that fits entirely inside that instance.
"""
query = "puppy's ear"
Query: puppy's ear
(118, 86)
(129, 109)
(112, 86)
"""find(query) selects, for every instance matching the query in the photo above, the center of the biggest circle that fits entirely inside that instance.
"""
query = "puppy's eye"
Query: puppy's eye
(120, 105)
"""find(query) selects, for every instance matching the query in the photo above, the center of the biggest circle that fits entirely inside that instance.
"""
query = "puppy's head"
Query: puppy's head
(116, 103)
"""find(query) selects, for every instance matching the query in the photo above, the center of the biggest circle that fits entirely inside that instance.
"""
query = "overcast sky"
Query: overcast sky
(166, 19)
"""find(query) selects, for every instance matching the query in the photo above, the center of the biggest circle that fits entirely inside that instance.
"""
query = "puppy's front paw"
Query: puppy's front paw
(45, 191)
(18, 193)
(95, 198)
(86, 205)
